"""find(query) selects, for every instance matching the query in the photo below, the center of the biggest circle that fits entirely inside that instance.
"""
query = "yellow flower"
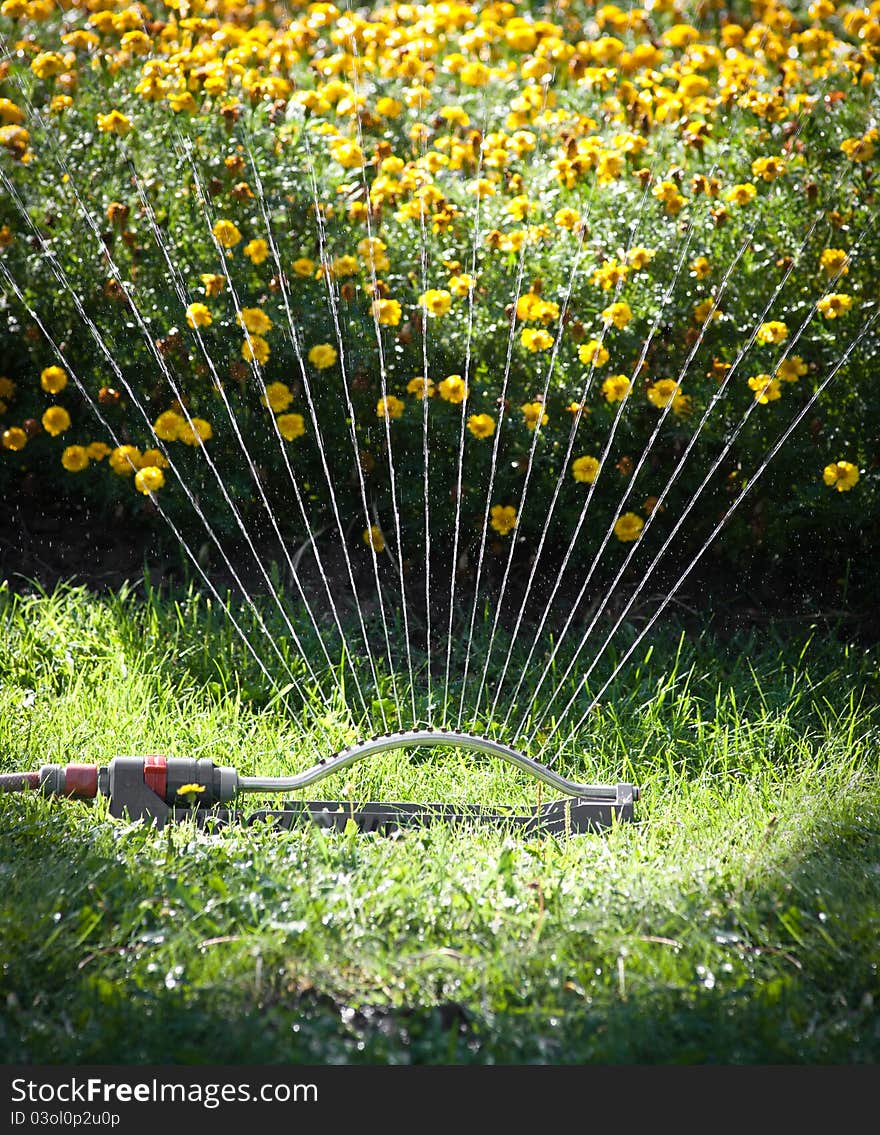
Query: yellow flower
(741, 194)
(835, 304)
(475, 74)
(663, 392)
(593, 352)
(322, 356)
(585, 469)
(834, 262)
(152, 457)
(536, 340)
(768, 168)
(461, 285)
(168, 425)
(766, 388)
(149, 480)
(628, 527)
(389, 407)
(436, 301)
(125, 460)
(114, 123)
(227, 233)
(291, 426)
(533, 413)
(453, 389)
(372, 251)
(7, 387)
(706, 309)
(192, 790)
(387, 312)
(617, 313)
(303, 266)
(198, 315)
(772, 332)
(616, 388)
(212, 283)
(840, 475)
(481, 425)
(373, 538)
(48, 63)
(53, 379)
(639, 258)
(277, 397)
(75, 458)
(791, 369)
(421, 387)
(860, 149)
(255, 320)
(256, 349)
(56, 420)
(700, 268)
(256, 251)
(345, 266)
(14, 439)
(503, 518)
(97, 450)
(567, 218)
(195, 431)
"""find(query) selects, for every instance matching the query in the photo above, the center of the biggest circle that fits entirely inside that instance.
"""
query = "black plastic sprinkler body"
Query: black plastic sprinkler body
(160, 789)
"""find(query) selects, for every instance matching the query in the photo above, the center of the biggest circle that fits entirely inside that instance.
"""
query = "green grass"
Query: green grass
(734, 922)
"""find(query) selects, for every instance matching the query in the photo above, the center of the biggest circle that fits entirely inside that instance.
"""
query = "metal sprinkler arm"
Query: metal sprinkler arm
(413, 739)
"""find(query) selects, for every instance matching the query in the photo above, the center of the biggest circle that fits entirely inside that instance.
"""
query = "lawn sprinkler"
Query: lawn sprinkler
(160, 789)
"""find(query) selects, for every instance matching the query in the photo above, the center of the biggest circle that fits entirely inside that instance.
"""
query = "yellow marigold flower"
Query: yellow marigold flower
(700, 268)
(153, 457)
(14, 439)
(628, 527)
(475, 74)
(765, 387)
(212, 283)
(322, 356)
(567, 218)
(741, 194)
(536, 340)
(639, 257)
(199, 315)
(115, 122)
(772, 332)
(503, 518)
(373, 538)
(303, 266)
(75, 458)
(344, 266)
(662, 392)
(56, 420)
(53, 379)
(388, 107)
(6, 236)
(791, 369)
(227, 233)
(585, 469)
(609, 275)
(593, 352)
(461, 285)
(617, 313)
(291, 426)
(372, 251)
(149, 479)
(481, 425)
(420, 387)
(704, 310)
(277, 397)
(768, 168)
(125, 460)
(528, 306)
(840, 475)
(16, 140)
(168, 425)
(835, 304)
(859, 149)
(195, 432)
(47, 64)
(255, 320)
(59, 103)
(256, 250)
(667, 193)
(616, 387)
(256, 349)
(347, 153)
(387, 312)
(833, 261)
(97, 450)
(453, 389)
(436, 301)
(182, 102)
(9, 112)
(389, 407)
(481, 187)
(533, 413)
(7, 387)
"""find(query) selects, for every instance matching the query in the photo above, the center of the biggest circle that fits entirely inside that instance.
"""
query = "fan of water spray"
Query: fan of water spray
(458, 334)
